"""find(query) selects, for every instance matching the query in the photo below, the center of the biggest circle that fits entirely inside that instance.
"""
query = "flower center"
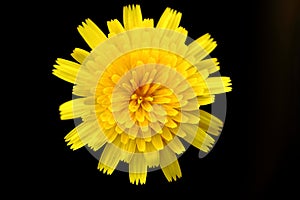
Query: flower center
(140, 104)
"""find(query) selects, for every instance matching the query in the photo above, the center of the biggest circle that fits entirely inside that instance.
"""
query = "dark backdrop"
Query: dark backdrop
(255, 157)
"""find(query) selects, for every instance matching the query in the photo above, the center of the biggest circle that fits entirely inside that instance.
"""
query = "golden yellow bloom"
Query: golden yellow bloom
(138, 93)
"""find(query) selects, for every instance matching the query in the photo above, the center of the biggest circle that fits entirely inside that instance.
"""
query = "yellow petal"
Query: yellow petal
(86, 133)
(151, 155)
(132, 17)
(161, 100)
(105, 169)
(107, 125)
(197, 137)
(115, 78)
(73, 139)
(168, 60)
(210, 123)
(155, 126)
(148, 23)
(108, 90)
(153, 88)
(182, 66)
(91, 33)
(182, 87)
(67, 66)
(137, 169)
(201, 47)
(114, 26)
(162, 92)
(132, 131)
(176, 145)
(170, 123)
(141, 145)
(189, 107)
(131, 146)
(66, 109)
(75, 108)
(211, 64)
(98, 140)
(170, 19)
(178, 131)
(169, 164)
(182, 30)
(157, 142)
(110, 157)
(180, 118)
(147, 106)
(104, 116)
(64, 76)
(166, 134)
(170, 110)
(192, 118)
(111, 134)
(133, 106)
(172, 171)
(203, 141)
(140, 114)
(217, 85)
(205, 99)
(145, 129)
(158, 110)
(118, 129)
(79, 55)
(66, 70)
(124, 138)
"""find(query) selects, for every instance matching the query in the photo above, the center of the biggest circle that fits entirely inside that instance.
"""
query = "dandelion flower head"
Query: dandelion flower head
(138, 93)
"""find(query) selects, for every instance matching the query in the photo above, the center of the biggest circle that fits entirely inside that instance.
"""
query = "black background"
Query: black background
(255, 157)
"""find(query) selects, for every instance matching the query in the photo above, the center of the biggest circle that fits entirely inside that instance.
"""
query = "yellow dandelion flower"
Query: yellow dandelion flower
(138, 93)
